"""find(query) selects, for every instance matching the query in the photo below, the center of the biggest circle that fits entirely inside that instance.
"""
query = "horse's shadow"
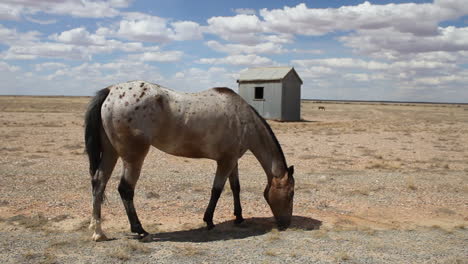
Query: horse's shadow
(228, 230)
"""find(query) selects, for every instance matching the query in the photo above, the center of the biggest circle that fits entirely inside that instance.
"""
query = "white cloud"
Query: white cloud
(364, 77)
(197, 79)
(9, 12)
(143, 27)
(104, 74)
(278, 38)
(245, 11)
(342, 63)
(307, 51)
(235, 25)
(265, 48)
(74, 44)
(45, 50)
(47, 66)
(11, 36)
(315, 72)
(13, 10)
(41, 21)
(302, 20)
(395, 44)
(244, 60)
(239, 28)
(79, 36)
(160, 56)
(148, 28)
(5, 67)
(186, 30)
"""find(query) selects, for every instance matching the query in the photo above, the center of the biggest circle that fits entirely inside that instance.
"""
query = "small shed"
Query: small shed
(275, 92)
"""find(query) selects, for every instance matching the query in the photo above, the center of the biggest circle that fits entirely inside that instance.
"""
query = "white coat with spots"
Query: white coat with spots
(124, 120)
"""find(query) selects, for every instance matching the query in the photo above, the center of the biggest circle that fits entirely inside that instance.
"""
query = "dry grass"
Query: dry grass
(125, 250)
(40, 257)
(411, 183)
(445, 211)
(120, 253)
(271, 253)
(321, 233)
(384, 164)
(442, 228)
(152, 195)
(342, 256)
(274, 235)
(342, 161)
(35, 222)
(188, 250)
(366, 190)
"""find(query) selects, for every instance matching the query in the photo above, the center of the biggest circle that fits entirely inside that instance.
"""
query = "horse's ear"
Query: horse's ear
(291, 170)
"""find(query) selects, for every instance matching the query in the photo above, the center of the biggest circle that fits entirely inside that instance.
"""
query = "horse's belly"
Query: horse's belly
(188, 149)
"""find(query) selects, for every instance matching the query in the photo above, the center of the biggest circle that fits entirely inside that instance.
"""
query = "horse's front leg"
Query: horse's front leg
(131, 173)
(235, 188)
(222, 173)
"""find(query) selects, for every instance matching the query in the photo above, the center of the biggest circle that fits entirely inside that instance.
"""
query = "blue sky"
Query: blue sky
(362, 50)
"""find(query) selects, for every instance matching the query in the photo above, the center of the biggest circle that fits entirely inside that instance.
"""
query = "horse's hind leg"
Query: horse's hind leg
(99, 181)
(130, 176)
(222, 172)
(235, 188)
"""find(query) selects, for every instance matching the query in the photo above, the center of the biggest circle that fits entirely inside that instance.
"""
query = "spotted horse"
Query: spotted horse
(124, 120)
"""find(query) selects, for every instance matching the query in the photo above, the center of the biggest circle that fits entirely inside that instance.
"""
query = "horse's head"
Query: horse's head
(279, 195)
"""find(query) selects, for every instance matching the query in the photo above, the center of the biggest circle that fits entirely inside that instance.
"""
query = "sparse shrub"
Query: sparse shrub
(306, 157)
(120, 253)
(188, 250)
(274, 235)
(152, 195)
(35, 222)
(342, 256)
(126, 250)
(410, 183)
(321, 233)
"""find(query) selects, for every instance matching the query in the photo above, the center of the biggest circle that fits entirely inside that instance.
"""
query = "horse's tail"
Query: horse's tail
(93, 127)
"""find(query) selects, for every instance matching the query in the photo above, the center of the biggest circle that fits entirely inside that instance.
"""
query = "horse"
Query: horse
(124, 120)
(321, 108)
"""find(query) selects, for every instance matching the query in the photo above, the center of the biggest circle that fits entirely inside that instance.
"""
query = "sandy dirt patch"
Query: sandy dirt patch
(375, 183)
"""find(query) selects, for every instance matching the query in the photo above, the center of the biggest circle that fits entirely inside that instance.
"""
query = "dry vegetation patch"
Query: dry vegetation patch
(365, 172)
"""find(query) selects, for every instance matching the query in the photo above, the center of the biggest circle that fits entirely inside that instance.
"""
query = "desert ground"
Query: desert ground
(375, 183)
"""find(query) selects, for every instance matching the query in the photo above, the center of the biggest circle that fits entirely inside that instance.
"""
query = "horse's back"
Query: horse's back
(207, 124)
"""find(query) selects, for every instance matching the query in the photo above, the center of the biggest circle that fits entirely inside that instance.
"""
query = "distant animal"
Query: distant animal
(125, 119)
(321, 108)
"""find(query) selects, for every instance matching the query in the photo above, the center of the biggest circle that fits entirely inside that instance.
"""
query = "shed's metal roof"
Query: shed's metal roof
(264, 74)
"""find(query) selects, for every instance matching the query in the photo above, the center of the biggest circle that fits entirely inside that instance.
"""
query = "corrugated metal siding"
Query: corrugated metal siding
(264, 74)
(291, 100)
(270, 107)
(282, 99)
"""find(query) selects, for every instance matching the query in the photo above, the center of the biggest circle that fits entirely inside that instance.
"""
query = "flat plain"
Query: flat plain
(375, 183)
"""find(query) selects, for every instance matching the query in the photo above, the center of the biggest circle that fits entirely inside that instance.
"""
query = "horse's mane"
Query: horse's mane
(270, 131)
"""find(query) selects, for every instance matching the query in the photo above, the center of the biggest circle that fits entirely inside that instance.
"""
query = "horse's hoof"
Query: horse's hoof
(146, 238)
(143, 235)
(209, 226)
(239, 220)
(99, 237)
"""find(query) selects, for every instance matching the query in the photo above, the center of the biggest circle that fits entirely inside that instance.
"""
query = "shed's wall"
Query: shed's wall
(291, 102)
(270, 107)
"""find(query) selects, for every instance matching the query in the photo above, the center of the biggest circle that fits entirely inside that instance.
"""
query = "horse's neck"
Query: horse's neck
(267, 151)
